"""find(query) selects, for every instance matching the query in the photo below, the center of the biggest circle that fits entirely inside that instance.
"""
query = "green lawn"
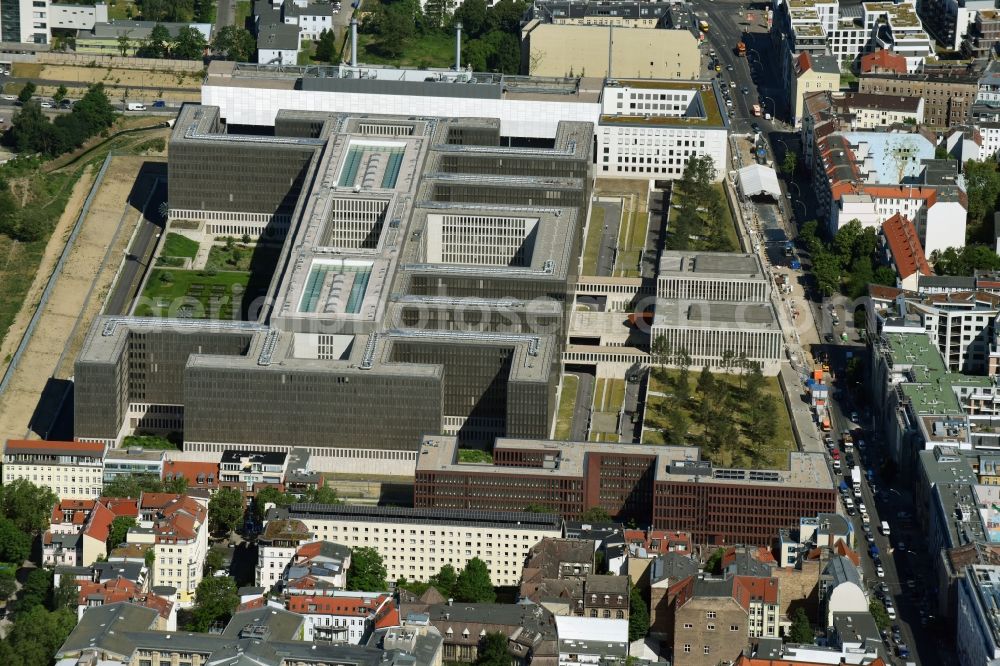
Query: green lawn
(305, 54)
(592, 244)
(176, 245)
(610, 395)
(738, 455)
(567, 403)
(194, 294)
(243, 9)
(149, 442)
(432, 50)
(727, 217)
(474, 456)
(117, 10)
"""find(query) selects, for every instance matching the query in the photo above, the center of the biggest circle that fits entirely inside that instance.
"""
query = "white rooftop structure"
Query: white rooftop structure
(757, 179)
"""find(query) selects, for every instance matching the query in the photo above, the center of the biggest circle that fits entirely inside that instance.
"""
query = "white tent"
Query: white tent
(758, 180)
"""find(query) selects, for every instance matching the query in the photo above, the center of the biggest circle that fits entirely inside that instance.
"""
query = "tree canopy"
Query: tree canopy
(638, 614)
(595, 514)
(367, 572)
(235, 43)
(474, 584)
(132, 485)
(801, 632)
(699, 220)
(15, 544)
(119, 531)
(493, 650)
(851, 262)
(965, 260)
(225, 510)
(216, 600)
(32, 132)
(28, 506)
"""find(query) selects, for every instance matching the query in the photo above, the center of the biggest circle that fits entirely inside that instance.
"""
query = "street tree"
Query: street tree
(367, 572)
(326, 46)
(473, 585)
(27, 91)
(444, 580)
(60, 93)
(225, 510)
(124, 43)
(706, 382)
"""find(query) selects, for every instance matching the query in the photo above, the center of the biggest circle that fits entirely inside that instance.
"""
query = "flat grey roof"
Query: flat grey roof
(711, 264)
(391, 514)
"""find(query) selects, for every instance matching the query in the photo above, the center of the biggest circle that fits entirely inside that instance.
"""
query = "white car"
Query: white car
(879, 571)
(862, 508)
(9, 98)
(47, 105)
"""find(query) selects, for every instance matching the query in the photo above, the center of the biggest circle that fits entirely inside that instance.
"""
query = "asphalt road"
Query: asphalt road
(140, 253)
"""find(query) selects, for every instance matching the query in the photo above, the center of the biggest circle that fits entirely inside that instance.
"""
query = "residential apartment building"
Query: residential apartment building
(125, 634)
(203, 476)
(871, 176)
(317, 568)
(903, 251)
(810, 73)
(249, 471)
(978, 618)
(948, 92)
(951, 20)
(71, 470)
(277, 546)
(667, 487)
(895, 26)
(127, 462)
(714, 617)
(348, 617)
(983, 35)
(180, 536)
(416, 543)
(32, 21)
(882, 61)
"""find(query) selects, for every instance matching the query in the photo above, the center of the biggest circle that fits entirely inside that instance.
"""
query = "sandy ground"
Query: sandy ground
(124, 77)
(69, 312)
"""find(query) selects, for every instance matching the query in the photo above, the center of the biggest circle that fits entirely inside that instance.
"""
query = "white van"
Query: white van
(884, 527)
(136, 106)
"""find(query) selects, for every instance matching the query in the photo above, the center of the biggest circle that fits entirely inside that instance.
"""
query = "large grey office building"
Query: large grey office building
(422, 287)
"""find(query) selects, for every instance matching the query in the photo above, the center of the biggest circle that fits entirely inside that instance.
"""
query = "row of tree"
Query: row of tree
(490, 34)
(226, 509)
(850, 263)
(470, 585)
(32, 132)
(43, 618)
(178, 11)
(723, 411)
(232, 42)
(698, 219)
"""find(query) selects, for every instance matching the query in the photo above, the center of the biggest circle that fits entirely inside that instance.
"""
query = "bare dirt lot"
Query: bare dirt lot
(73, 303)
(121, 77)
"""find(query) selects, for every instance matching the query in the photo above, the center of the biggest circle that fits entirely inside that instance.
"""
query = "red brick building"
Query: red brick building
(666, 487)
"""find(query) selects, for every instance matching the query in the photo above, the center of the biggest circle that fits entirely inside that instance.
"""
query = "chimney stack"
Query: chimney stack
(354, 42)
(458, 46)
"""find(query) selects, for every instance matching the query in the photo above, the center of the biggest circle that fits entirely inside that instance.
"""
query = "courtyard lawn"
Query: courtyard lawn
(194, 294)
(738, 453)
(567, 404)
(176, 245)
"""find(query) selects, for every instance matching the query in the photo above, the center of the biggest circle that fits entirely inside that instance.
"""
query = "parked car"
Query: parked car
(159, 104)
(48, 105)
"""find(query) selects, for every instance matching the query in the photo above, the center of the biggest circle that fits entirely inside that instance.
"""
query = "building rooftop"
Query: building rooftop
(702, 314)
(726, 265)
(673, 463)
(51, 448)
(390, 514)
(904, 244)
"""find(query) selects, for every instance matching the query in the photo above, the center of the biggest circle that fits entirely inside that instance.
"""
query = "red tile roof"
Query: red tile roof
(882, 61)
(803, 63)
(744, 660)
(340, 606)
(121, 589)
(74, 510)
(907, 253)
(107, 509)
(29, 445)
(844, 550)
(198, 474)
(751, 588)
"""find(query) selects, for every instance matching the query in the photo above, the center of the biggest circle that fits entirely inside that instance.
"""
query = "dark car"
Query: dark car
(159, 104)
(745, 90)
(755, 127)
(66, 104)
(902, 650)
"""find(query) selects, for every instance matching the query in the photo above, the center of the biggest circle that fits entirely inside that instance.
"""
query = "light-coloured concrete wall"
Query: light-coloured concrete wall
(583, 50)
(83, 60)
